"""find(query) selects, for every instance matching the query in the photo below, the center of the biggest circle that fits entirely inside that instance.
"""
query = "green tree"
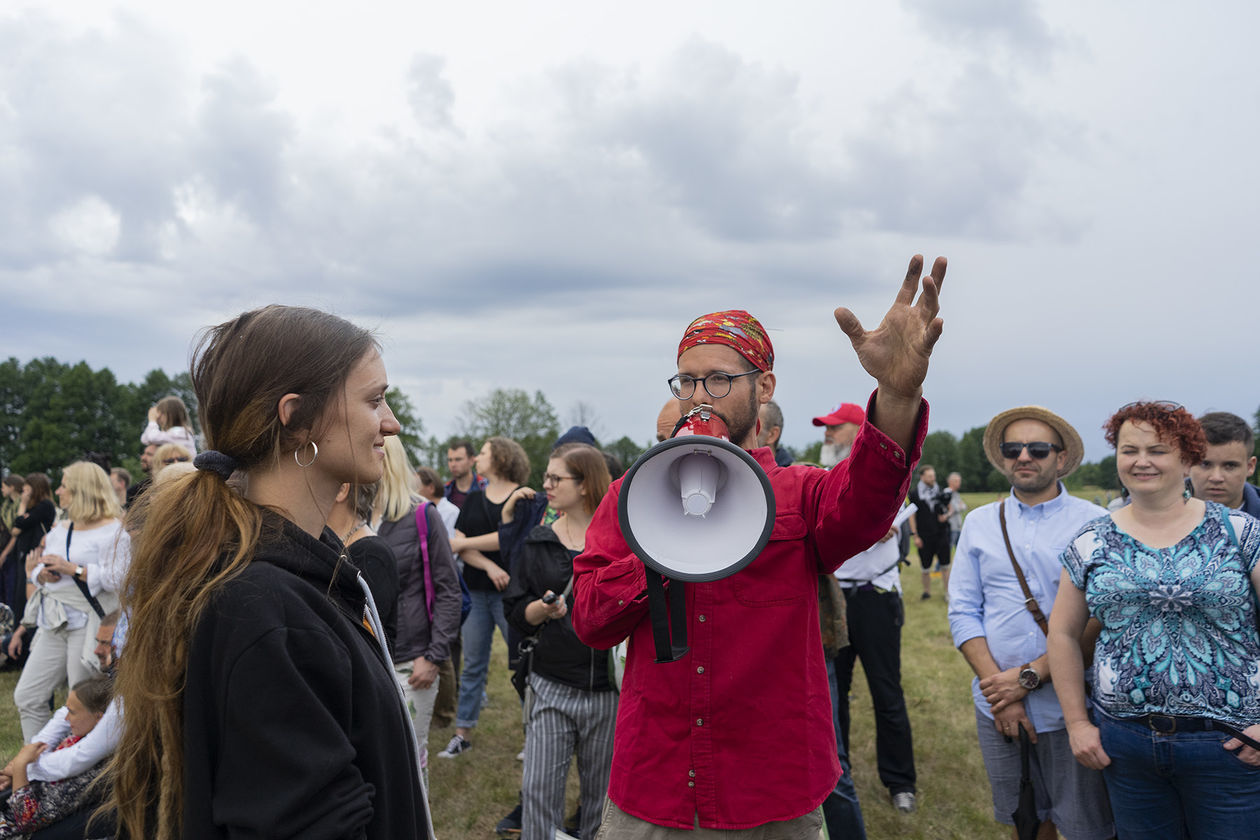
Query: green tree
(940, 449)
(412, 427)
(626, 451)
(69, 412)
(811, 454)
(973, 465)
(512, 413)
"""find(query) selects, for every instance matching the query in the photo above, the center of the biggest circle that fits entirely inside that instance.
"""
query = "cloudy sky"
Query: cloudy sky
(541, 195)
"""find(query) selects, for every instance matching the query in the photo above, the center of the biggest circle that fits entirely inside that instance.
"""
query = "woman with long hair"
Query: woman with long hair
(575, 704)
(505, 466)
(258, 694)
(1174, 581)
(169, 423)
(35, 516)
(88, 549)
(429, 595)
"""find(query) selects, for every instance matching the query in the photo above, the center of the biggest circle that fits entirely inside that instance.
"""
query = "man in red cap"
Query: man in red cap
(700, 740)
(840, 428)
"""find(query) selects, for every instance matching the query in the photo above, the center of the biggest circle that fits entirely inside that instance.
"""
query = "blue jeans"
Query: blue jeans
(1182, 785)
(841, 810)
(486, 613)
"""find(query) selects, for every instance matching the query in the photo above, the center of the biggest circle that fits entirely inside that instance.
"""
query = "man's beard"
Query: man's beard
(741, 425)
(834, 453)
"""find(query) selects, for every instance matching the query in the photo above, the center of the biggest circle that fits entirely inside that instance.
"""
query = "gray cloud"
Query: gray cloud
(985, 25)
(430, 94)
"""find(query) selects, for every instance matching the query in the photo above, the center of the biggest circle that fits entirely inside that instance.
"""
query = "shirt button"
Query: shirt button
(700, 618)
(699, 721)
(691, 784)
(700, 670)
(691, 773)
(620, 603)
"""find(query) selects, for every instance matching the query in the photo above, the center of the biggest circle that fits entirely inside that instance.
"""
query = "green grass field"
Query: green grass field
(471, 793)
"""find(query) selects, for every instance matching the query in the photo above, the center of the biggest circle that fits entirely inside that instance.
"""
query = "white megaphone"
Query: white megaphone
(694, 508)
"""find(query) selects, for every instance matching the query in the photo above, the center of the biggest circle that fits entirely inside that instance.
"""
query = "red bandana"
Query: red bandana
(736, 329)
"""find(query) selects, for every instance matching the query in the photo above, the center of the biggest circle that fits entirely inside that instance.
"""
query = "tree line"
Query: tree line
(53, 413)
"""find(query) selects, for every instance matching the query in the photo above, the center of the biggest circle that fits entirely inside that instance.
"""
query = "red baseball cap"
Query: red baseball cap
(843, 413)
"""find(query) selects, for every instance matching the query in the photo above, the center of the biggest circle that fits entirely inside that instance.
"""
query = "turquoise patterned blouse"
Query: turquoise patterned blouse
(1179, 623)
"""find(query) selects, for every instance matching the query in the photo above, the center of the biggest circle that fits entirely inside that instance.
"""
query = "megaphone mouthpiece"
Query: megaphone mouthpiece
(699, 477)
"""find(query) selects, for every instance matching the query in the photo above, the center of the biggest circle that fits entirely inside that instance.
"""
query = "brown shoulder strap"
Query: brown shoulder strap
(1029, 601)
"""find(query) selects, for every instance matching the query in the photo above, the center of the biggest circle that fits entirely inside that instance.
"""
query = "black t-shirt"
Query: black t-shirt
(480, 516)
(34, 524)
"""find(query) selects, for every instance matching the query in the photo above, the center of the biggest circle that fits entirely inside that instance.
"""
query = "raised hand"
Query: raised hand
(896, 352)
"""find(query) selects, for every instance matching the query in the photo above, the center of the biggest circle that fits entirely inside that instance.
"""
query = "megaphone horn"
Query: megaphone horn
(694, 508)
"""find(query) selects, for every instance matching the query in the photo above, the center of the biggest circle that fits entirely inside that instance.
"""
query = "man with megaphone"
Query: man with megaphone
(700, 740)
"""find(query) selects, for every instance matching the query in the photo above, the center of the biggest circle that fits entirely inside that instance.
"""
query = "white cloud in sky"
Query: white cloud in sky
(541, 196)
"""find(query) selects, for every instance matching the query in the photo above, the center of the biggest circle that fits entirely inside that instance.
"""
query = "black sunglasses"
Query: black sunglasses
(1038, 449)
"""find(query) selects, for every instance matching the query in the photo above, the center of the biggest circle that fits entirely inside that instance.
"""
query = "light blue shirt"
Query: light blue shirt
(985, 598)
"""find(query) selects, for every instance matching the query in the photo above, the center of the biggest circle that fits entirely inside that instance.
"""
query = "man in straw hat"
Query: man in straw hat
(1006, 576)
(737, 733)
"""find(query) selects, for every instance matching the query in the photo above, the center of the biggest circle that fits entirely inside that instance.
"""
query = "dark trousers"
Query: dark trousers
(875, 620)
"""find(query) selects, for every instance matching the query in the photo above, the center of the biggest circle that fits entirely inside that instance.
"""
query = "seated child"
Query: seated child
(35, 804)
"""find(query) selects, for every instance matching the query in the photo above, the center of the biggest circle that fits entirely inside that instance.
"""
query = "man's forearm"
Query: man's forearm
(897, 416)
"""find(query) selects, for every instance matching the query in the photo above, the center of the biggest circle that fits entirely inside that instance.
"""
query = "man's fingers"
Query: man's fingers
(911, 284)
(938, 272)
(932, 334)
(850, 324)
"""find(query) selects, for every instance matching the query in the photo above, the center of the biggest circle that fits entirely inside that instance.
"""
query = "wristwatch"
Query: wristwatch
(1029, 679)
(79, 571)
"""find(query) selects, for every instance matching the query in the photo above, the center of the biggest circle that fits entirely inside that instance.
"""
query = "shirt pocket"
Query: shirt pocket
(777, 577)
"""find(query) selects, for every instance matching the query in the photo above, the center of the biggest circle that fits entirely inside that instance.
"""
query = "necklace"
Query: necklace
(346, 539)
(568, 540)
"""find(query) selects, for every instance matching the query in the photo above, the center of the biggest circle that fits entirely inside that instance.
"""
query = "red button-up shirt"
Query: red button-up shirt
(738, 732)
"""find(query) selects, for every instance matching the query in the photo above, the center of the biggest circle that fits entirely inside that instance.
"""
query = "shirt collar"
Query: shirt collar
(1046, 508)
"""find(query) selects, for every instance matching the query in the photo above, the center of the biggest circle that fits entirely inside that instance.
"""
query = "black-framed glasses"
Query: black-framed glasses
(1038, 449)
(716, 385)
(552, 478)
(1166, 405)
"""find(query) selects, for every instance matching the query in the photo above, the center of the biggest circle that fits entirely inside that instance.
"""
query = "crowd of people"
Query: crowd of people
(286, 605)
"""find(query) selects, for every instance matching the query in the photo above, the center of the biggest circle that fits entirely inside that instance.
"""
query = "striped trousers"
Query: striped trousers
(565, 721)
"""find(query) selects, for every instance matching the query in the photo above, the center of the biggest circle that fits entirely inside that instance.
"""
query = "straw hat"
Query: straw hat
(1072, 446)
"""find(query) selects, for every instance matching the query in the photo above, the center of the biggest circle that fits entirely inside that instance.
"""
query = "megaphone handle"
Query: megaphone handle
(666, 608)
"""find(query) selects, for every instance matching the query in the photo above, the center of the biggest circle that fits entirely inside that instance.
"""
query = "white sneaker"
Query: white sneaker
(455, 747)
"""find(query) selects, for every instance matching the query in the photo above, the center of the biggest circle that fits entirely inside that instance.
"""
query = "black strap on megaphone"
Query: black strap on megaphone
(667, 609)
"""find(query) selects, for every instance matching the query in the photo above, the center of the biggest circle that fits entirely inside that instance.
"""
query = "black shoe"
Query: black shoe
(925, 596)
(510, 826)
(573, 825)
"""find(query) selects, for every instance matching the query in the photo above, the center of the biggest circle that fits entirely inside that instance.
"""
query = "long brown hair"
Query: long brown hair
(588, 466)
(197, 533)
(173, 413)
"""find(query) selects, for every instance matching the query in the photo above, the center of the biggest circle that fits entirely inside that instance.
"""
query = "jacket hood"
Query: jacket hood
(319, 562)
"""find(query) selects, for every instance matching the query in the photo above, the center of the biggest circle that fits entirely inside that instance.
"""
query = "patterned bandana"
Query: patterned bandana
(736, 329)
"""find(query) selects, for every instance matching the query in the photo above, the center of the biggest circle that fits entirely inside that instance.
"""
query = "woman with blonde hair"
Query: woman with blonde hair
(258, 694)
(77, 576)
(169, 423)
(429, 595)
(168, 454)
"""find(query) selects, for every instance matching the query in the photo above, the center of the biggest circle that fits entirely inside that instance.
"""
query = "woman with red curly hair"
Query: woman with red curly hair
(1176, 690)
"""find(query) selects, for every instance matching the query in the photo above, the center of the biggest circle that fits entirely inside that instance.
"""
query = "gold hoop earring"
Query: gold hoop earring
(314, 454)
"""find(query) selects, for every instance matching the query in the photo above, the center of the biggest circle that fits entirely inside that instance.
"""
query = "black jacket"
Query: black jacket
(293, 723)
(545, 564)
